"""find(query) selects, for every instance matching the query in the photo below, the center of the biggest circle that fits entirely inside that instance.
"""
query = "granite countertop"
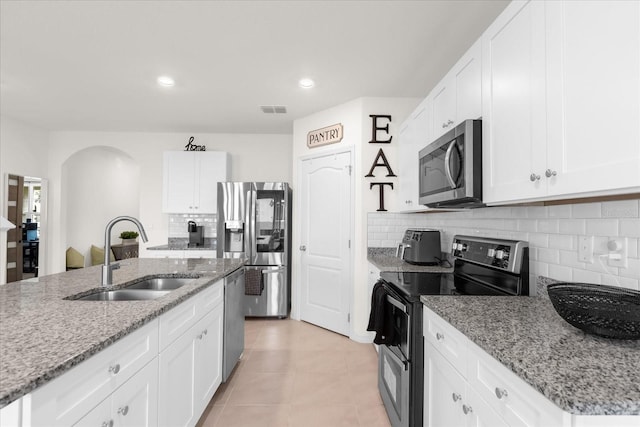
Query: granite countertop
(582, 374)
(386, 260)
(42, 335)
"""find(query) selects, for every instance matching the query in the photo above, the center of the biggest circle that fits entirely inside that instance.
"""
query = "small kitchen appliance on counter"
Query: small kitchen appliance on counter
(196, 234)
(482, 266)
(420, 246)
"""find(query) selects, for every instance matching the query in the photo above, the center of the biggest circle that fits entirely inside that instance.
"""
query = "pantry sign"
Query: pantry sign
(325, 136)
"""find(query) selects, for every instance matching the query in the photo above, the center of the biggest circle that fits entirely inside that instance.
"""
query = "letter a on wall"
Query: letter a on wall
(377, 163)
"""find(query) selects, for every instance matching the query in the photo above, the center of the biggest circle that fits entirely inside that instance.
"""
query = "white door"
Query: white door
(325, 252)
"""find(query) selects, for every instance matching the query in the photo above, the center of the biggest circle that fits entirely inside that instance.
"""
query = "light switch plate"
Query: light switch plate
(585, 249)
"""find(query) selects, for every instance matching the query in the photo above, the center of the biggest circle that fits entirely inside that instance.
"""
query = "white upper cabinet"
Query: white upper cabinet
(593, 96)
(561, 101)
(458, 96)
(190, 180)
(414, 135)
(513, 103)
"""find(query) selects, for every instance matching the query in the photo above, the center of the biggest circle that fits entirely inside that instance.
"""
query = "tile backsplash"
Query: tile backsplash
(178, 225)
(552, 232)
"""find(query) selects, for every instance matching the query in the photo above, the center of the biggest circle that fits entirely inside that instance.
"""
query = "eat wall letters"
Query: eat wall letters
(381, 159)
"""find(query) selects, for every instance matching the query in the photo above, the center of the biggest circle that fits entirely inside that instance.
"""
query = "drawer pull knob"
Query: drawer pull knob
(107, 423)
(124, 411)
(549, 173)
(456, 397)
(533, 177)
(200, 336)
(467, 409)
(439, 336)
(500, 393)
(114, 369)
(205, 332)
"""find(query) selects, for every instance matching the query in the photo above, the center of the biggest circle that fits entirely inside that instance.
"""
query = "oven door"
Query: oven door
(394, 376)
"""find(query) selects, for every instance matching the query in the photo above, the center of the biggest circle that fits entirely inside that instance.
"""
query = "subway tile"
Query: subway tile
(630, 227)
(560, 273)
(633, 269)
(537, 212)
(602, 227)
(559, 211)
(562, 241)
(570, 259)
(621, 209)
(586, 276)
(632, 247)
(548, 226)
(623, 282)
(527, 225)
(587, 210)
(572, 226)
(539, 240)
(551, 256)
(539, 269)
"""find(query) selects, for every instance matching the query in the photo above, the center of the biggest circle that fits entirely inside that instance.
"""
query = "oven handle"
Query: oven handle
(403, 360)
(398, 304)
(447, 164)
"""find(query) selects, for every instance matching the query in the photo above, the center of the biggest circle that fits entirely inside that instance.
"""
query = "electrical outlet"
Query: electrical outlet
(617, 247)
(585, 249)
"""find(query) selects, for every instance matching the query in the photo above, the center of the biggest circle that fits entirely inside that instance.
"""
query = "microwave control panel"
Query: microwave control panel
(498, 253)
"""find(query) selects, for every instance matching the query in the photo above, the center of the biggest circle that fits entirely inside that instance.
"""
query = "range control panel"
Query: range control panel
(499, 253)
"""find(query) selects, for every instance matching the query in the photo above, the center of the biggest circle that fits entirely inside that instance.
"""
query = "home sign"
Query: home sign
(193, 147)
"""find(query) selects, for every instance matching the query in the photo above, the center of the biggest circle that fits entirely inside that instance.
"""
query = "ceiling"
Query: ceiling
(92, 65)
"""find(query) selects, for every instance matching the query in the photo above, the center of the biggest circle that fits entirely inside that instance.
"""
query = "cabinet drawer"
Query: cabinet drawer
(69, 397)
(210, 298)
(513, 399)
(446, 339)
(175, 322)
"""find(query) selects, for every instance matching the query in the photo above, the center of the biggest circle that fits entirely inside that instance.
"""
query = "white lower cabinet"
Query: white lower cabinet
(164, 373)
(132, 405)
(190, 368)
(477, 390)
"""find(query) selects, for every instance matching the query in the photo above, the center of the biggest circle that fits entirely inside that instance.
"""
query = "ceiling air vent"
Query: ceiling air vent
(273, 109)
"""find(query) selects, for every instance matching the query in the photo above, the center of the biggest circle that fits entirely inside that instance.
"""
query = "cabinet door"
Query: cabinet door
(444, 106)
(444, 391)
(479, 414)
(135, 404)
(212, 167)
(468, 83)
(208, 358)
(98, 416)
(413, 137)
(513, 104)
(178, 181)
(593, 60)
(176, 382)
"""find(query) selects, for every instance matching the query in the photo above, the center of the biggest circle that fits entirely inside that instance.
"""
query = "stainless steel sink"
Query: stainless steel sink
(124, 295)
(161, 283)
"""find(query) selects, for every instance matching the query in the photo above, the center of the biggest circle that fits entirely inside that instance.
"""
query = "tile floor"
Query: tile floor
(295, 374)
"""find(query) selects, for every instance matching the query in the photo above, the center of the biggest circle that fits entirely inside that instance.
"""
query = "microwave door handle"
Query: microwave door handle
(447, 165)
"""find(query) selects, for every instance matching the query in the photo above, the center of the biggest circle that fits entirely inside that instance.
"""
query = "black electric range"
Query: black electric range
(482, 266)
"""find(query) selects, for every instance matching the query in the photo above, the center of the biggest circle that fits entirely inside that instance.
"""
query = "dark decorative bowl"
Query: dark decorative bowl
(607, 311)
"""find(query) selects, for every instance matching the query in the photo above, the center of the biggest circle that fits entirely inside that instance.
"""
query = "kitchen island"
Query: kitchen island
(583, 375)
(43, 335)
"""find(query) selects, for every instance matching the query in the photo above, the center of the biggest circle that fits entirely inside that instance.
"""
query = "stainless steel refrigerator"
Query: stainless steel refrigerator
(254, 223)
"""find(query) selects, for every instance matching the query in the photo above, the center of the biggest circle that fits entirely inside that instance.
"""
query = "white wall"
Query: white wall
(253, 158)
(354, 116)
(22, 152)
(552, 233)
(99, 183)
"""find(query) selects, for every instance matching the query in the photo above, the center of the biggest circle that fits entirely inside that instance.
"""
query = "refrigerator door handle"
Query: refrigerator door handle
(274, 270)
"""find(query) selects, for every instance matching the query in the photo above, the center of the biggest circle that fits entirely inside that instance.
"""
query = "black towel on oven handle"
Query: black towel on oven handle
(381, 316)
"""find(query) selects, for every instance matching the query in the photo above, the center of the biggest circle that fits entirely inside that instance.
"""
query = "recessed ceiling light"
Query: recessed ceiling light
(166, 81)
(306, 83)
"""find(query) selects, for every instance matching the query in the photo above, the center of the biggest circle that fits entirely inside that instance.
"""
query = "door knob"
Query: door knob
(303, 248)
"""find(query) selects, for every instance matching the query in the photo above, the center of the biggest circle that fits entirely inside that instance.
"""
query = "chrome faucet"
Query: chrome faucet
(107, 268)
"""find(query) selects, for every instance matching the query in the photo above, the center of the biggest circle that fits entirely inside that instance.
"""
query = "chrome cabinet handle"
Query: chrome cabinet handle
(114, 369)
(500, 393)
(467, 409)
(455, 397)
(549, 173)
(533, 177)
(107, 423)
(303, 248)
(124, 411)
(439, 336)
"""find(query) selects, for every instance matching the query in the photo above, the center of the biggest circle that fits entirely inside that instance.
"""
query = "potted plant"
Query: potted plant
(129, 237)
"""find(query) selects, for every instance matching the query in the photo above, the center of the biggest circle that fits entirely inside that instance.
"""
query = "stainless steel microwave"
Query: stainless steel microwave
(451, 168)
